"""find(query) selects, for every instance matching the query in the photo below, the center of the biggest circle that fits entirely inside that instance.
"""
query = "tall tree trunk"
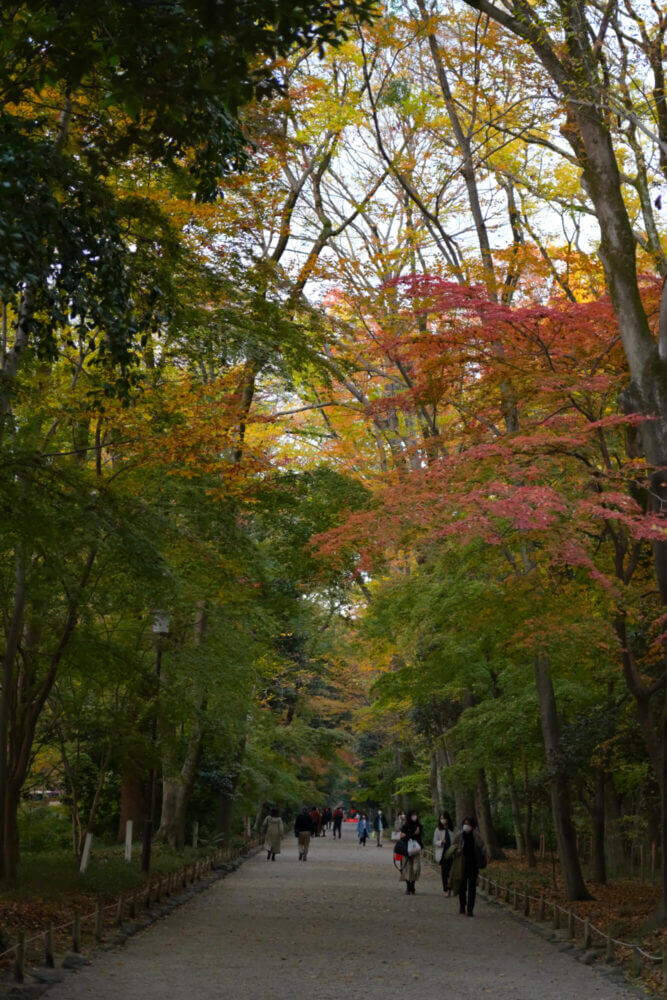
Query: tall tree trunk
(528, 819)
(8, 855)
(485, 818)
(464, 803)
(176, 787)
(228, 796)
(598, 861)
(575, 887)
(516, 814)
(132, 800)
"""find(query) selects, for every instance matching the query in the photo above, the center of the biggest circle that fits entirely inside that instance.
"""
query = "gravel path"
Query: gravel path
(338, 927)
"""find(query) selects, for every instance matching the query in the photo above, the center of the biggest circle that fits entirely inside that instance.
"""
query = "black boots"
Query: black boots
(409, 889)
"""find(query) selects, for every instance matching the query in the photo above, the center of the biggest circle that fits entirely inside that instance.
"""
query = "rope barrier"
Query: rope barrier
(618, 942)
(226, 854)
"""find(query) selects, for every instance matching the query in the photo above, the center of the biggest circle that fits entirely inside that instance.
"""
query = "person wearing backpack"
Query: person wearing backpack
(412, 832)
(469, 845)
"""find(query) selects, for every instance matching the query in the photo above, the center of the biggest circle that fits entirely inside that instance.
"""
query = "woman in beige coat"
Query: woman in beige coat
(273, 830)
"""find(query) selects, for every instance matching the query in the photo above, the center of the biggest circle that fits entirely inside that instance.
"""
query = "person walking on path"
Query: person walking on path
(303, 827)
(413, 832)
(398, 825)
(273, 831)
(363, 829)
(378, 826)
(442, 841)
(337, 821)
(469, 845)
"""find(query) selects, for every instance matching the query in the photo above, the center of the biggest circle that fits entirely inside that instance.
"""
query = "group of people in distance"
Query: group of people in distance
(315, 823)
(460, 853)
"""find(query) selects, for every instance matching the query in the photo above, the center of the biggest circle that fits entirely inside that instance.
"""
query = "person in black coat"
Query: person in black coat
(411, 870)
(303, 828)
(471, 845)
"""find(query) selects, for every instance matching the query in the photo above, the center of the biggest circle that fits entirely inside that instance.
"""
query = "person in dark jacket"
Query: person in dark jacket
(411, 870)
(303, 828)
(379, 825)
(469, 842)
(337, 821)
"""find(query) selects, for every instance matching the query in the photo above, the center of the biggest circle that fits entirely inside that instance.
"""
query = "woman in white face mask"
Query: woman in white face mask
(470, 845)
(412, 833)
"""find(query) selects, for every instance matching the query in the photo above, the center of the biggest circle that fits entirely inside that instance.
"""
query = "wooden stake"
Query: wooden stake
(119, 911)
(542, 916)
(128, 840)
(609, 953)
(98, 922)
(48, 947)
(19, 958)
(587, 934)
(570, 924)
(76, 932)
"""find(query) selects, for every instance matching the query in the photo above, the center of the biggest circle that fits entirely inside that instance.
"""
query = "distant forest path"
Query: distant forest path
(337, 927)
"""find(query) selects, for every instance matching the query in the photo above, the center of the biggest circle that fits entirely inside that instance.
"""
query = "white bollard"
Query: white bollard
(128, 840)
(85, 857)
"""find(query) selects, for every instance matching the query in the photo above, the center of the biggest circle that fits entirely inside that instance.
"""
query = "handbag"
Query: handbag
(456, 874)
(437, 854)
(414, 847)
(395, 835)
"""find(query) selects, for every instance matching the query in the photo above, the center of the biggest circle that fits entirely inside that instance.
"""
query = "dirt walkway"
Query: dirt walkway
(336, 928)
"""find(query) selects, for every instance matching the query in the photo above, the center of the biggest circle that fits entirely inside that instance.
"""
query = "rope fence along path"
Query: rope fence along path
(566, 918)
(562, 917)
(39, 949)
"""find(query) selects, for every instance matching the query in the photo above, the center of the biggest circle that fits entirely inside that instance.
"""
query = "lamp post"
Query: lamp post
(160, 628)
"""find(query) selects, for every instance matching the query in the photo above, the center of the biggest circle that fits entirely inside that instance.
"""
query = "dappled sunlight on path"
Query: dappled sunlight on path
(337, 927)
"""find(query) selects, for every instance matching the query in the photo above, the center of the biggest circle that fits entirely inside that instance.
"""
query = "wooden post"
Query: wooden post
(556, 917)
(641, 862)
(664, 967)
(128, 840)
(635, 963)
(158, 891)
(541, 913)
(542, 845)
(133, 907)
(587, 934)
(48, 947)
(570, 923)
(119, 911)
(653, 861)
(76, 932)
(19, 958)
(98, 921)
(85, 857)
(195, 833)
(609, 953)
(526, 904)
(507, 894)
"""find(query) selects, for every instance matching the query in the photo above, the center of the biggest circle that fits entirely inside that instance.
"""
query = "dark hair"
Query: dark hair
(444, 814)
(275, 811)
(471, 820)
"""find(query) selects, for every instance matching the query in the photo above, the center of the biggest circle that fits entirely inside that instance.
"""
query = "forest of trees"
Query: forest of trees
(334, 383)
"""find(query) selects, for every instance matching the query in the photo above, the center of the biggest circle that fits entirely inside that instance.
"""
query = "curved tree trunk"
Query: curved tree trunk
(575, 887)
(485, 819)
